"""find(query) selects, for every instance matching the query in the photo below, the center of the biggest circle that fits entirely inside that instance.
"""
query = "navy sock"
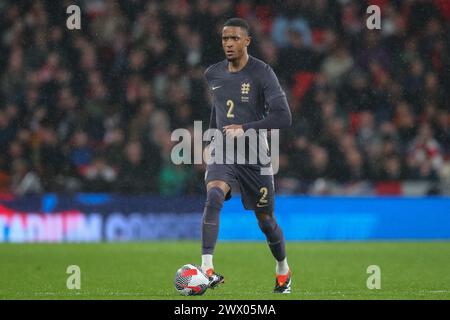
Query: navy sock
(274, 236)
(210, 222)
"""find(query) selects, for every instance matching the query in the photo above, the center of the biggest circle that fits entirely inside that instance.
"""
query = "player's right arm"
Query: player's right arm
(212, 120)
(212, 126)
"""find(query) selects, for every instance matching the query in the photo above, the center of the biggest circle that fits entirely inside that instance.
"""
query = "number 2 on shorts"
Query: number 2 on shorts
(264, 192)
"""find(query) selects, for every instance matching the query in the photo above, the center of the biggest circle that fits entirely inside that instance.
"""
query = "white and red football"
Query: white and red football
(191, 281)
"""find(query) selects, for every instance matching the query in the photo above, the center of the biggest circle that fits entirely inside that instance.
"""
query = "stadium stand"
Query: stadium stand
(92, 110)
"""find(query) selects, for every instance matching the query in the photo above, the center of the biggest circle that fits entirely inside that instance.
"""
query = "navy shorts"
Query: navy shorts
(257, 190)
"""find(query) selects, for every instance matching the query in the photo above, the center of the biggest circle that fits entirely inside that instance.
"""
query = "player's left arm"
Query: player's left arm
(279, 115)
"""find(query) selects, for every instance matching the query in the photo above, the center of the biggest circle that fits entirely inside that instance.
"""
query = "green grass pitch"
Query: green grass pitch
(321, 270)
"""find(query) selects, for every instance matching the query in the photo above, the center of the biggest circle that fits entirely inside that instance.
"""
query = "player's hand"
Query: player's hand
(233, 130)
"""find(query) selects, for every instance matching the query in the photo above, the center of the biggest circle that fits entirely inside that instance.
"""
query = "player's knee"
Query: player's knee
(267, 224)
(215, 197)
(219, 184)
(214, 203)
(262, 216)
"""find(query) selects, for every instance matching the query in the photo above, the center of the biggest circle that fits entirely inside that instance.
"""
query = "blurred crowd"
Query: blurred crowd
(92, 110)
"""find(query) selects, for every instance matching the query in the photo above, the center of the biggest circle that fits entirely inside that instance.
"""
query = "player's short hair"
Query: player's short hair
(237, 22)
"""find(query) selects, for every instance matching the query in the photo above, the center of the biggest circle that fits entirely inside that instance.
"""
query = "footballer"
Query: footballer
(246, 95)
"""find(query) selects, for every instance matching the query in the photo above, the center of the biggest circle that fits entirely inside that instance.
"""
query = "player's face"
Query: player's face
(235, 41)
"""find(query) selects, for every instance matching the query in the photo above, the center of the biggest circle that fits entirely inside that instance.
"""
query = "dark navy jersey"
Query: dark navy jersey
(246, 97)
(243, 96)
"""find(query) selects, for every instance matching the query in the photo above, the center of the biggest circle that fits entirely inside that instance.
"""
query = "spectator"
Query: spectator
(337, 65)
(81, 152)
(23, 180)
(100, 176)
(425, 154)
(136, 176)
(51, 159)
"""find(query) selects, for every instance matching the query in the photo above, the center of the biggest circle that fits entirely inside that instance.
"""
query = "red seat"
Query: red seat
(302, 82)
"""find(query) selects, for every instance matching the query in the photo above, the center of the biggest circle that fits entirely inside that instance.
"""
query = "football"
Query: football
(191, 281)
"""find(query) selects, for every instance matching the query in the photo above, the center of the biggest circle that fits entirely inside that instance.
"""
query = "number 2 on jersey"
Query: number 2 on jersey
(230, 105)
